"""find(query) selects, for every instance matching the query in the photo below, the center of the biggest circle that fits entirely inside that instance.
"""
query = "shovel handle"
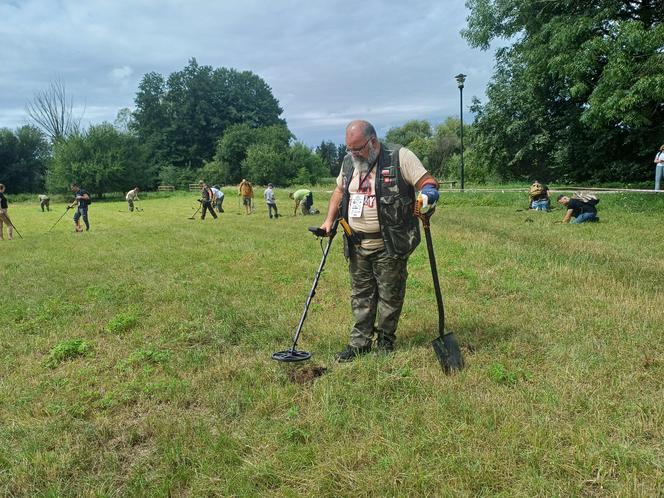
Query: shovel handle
(434, 275)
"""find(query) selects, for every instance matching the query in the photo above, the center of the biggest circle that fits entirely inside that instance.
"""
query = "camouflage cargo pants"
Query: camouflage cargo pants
(378, 288)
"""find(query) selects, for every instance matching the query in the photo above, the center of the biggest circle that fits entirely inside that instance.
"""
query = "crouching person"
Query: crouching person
(578, 211)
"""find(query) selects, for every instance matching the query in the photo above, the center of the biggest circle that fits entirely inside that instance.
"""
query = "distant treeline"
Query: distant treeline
(578, 96)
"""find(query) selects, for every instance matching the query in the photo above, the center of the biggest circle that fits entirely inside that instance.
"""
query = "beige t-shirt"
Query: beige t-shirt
(131, 195)
(411, 171)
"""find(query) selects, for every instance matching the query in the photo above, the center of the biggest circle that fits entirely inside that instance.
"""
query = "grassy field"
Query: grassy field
(135, 359)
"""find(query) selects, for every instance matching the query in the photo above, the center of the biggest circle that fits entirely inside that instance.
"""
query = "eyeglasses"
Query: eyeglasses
(359, 149)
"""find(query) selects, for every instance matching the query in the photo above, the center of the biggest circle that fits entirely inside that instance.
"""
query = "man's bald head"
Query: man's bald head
(360, 129)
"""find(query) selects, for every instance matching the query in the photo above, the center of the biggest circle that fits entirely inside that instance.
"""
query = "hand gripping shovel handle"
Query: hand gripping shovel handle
(445, 345)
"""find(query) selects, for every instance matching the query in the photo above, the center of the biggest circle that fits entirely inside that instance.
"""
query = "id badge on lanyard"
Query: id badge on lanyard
(356, 205)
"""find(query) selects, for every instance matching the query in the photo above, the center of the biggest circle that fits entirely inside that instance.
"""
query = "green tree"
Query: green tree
(327, 151)
(101, 159)
(24, 156)
(579, 93)
(341, 154)
(181, 117)
(309, 166)
(232, 148)
(411, 130)
(266, 164)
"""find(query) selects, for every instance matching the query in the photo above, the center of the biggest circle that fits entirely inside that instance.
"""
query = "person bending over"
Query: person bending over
(578, 211)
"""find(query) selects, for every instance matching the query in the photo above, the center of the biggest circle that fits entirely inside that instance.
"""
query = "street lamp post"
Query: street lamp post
(460, 79)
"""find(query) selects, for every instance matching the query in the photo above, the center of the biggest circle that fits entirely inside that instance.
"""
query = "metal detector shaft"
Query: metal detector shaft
(63, 215)
(312, 292)
(197, 210)
(13, 226)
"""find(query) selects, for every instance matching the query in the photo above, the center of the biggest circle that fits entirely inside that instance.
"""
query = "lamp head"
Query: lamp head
(460, 79)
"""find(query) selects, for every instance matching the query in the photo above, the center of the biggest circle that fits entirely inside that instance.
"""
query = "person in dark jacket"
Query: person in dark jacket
(4, 217)
(578, 211)
(81, 201)
(207, 198)
(375, 194)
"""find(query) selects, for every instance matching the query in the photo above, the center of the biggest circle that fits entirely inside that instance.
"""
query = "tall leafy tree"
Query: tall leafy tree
(182, 116)
(327, 151)
(233, 147)
(24, 156)
(408, 132)
(102, 159)
(579, 92)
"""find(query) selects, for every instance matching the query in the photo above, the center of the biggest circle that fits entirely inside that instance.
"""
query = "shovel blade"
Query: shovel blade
(449, 353)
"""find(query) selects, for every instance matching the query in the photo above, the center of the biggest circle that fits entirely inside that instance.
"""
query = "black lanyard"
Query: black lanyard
(362, 180)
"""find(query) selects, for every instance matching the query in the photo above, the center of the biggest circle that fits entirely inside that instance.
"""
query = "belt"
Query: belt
(363, 236)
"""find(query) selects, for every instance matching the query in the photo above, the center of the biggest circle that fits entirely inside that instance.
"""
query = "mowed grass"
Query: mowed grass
(135, 359)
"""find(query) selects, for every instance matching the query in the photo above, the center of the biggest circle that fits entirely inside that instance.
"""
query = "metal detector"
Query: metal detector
(63, 215)
(445, 345)
(293, 354)
(197, 210)
(13, 226)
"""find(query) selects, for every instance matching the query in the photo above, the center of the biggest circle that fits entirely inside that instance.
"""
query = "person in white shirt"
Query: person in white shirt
(44, 202)
(659, 166)
(270, 201)
(218, 198)
(132, 196)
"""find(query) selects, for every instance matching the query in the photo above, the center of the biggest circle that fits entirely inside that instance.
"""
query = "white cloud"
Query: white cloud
(121, 73)
(327, 62)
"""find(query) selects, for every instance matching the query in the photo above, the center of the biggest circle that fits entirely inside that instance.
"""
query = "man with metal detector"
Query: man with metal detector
(375, 203)
(131, 197)
(81, 201)
(4, 217)
(207, 197)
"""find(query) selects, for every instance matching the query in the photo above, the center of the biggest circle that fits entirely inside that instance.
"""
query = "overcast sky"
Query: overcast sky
(327, 62)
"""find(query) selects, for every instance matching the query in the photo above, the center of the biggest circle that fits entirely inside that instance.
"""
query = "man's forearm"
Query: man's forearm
(333, 206)
(427, 178)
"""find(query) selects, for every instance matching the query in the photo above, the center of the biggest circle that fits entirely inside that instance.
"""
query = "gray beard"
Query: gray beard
(361, 165)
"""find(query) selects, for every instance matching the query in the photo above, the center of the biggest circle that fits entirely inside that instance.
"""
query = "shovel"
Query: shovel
(445, 345)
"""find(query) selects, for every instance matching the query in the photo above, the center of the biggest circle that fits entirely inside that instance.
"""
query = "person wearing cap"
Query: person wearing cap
(247, 192)
(206, 200)
(376, 195)
(269, 200)
(218, 198)
(539, 197)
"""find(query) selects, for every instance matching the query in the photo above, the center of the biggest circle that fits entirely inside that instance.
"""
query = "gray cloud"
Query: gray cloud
(327, 62)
